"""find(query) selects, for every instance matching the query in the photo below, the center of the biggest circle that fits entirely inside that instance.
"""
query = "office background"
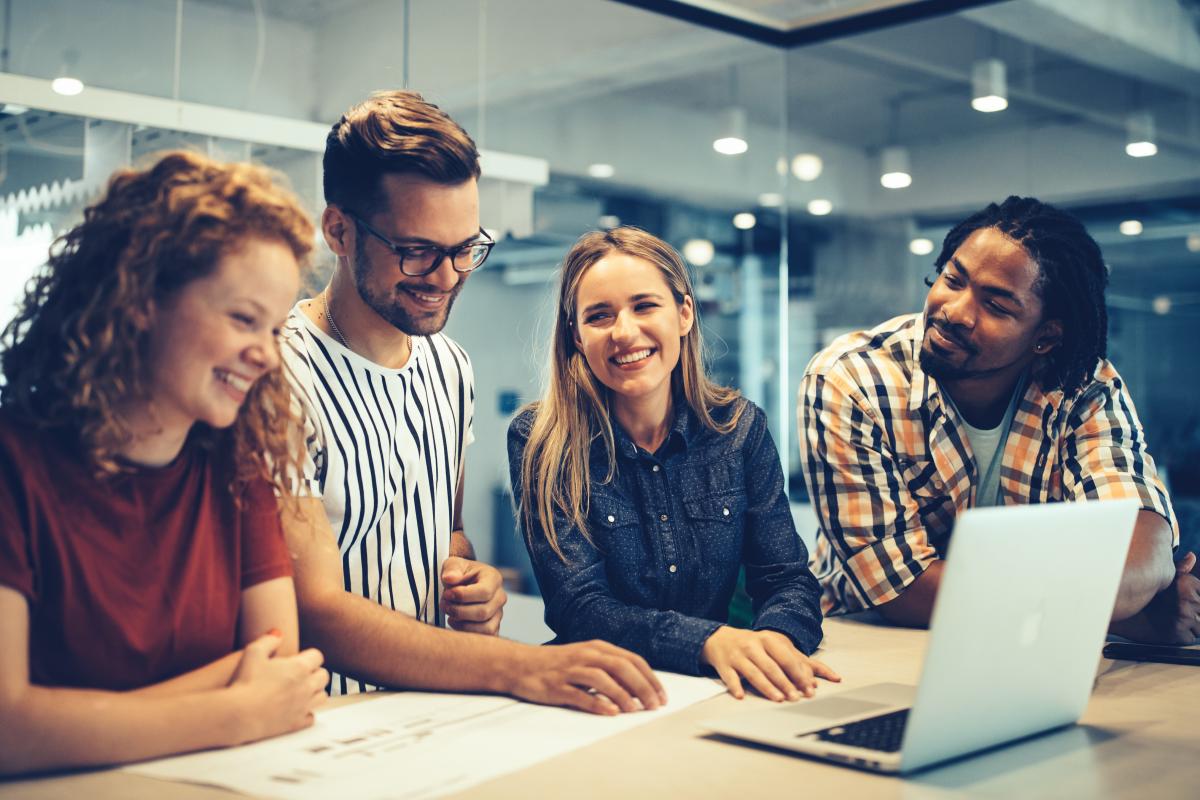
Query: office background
(593, 113)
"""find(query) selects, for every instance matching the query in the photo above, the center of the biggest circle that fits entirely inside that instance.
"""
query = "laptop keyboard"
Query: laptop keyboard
(884, 733)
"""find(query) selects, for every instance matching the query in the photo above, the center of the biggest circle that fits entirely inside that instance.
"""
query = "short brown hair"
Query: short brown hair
(78, 348)
(395, 132)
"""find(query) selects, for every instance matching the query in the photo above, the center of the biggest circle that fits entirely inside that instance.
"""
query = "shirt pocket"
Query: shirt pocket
(716, 524)
(616, 529)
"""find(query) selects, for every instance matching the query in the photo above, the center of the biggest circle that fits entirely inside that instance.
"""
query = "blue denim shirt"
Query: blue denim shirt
(669, 534)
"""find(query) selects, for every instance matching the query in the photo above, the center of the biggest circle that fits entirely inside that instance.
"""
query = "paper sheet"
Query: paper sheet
(411, 745)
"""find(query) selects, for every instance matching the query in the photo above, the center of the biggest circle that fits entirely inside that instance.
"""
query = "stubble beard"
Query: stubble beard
(390, 308)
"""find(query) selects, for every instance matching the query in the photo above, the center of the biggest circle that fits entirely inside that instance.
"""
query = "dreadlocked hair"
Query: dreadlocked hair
(1071, 281)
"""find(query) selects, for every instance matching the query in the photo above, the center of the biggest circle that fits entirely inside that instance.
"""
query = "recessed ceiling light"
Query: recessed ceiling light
(601, 171)
(1161, 305)
(820, 207)
(67, 86)
(609, 221)
(698, 251)
(1193, 242)
(770, 199)
(807, 166)
(744, 221)
(1131, 227)
(920, 246)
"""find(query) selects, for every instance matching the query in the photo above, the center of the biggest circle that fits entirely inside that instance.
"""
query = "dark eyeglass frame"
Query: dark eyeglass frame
(402, 251)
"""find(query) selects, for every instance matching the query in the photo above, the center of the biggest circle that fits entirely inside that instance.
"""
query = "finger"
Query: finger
(792, 681)
(1185, 564)
(642, 684)
(640, 665)
(477, 611)
(317, 680)
(574, 697)
(455, 570)
(310, 658)
(475, 591)
(732, 681)
(264, 646)
(823, 670)
(761, 683)
(596, 679)
(488, 628)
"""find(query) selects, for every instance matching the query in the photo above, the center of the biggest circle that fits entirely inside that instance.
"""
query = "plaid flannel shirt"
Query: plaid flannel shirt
(889, 467)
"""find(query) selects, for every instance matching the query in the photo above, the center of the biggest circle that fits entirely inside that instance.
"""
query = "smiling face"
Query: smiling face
(983, 315)
(218, 334)
(628, 326)
(417, 212)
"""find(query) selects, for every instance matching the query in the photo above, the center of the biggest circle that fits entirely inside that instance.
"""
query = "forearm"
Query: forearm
(51, 728)
(461, 546)
(914, 605)
(389, 648)
(1148, 566)
(794, 611)
(211, 676)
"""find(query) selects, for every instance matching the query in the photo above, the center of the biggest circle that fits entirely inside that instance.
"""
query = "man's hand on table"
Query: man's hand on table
(473, 598)
(767, 659)
(1173, 616)
(596, 676)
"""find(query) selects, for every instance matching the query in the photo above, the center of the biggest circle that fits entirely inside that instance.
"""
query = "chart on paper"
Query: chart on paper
(411, 745)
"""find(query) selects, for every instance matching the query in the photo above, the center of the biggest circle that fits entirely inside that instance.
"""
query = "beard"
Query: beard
(390, 307)
(940, 369)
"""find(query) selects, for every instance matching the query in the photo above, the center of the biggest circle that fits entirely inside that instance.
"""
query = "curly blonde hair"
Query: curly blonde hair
(78, 348)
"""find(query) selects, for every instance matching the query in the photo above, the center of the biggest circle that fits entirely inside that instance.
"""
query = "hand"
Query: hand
(594, 676)
(767, 659)
(1174, 613)
(474, 597)
(278, 694)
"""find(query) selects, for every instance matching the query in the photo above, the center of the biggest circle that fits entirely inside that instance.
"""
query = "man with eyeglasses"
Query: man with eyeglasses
(376, 534)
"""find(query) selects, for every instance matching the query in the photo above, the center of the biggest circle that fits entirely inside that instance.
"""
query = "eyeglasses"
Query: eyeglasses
(419, 260)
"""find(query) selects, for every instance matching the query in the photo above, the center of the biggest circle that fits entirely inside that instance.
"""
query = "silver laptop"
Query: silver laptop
(1021, 614)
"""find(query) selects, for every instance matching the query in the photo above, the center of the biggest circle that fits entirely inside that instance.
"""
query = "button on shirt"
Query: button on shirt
(667, 538)
(889, 464)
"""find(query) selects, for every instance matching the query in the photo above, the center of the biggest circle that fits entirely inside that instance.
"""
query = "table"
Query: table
(1139, 738)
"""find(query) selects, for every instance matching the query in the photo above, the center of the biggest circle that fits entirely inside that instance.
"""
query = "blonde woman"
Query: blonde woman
(643, 487)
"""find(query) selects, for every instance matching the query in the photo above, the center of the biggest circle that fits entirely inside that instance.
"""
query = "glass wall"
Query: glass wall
(618, 110)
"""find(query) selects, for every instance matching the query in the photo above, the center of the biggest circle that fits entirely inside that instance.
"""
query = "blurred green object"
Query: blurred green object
(741, 608)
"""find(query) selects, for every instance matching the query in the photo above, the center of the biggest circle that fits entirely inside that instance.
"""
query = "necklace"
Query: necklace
(329, 316)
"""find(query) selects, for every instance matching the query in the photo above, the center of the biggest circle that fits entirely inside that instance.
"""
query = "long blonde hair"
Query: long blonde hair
(574, 411)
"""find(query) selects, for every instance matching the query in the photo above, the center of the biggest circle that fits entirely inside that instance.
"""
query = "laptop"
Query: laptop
(1020, 617)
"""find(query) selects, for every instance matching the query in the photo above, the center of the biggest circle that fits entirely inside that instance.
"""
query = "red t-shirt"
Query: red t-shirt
(131, 579)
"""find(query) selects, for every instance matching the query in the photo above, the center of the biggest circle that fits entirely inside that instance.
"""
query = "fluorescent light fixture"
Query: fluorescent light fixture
(601, 171)
(1161, 305)
(699, 251)
(770, 199)
(920, 246)
(744, 221)
(1193, 242)
(732, 140)
(1131, 227)
(1139, 135)
(67, 86)
(608, 221)
(807, 166)
(989, 87)
(820, 207)
(895, 169)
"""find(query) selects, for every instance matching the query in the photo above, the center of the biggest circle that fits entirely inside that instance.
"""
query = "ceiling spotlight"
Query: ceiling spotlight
(920, 246)
(1161, 305)
(1193, 242)
(608, 221)
(601, 171)
(1139, 135)
(732, 141)
(807, 166)
(67, 85)
(744, 221)
(989, 89)
(1131, 227)
(895, 169)
(770, 199)
(820, 207)
(698, 251)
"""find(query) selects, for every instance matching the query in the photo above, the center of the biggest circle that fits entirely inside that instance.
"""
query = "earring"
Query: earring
(1037, 348)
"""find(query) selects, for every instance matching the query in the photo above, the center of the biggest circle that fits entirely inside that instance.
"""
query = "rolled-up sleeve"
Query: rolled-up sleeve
(1104, 451)
(870, 524)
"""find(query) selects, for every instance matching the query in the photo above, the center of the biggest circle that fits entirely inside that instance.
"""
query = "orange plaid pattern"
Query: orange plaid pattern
(888, 467)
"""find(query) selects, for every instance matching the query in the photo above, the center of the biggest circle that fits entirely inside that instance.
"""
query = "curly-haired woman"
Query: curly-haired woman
(146, 600)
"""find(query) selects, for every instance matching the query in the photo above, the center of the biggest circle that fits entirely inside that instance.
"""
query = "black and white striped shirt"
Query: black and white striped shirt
(385, 454)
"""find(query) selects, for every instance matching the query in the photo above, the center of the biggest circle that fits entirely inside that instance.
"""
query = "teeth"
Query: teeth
(629, 358)
(427, 298)
(236, 381)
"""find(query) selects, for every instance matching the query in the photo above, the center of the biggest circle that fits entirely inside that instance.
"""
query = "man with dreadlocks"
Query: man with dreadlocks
(999, 393)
